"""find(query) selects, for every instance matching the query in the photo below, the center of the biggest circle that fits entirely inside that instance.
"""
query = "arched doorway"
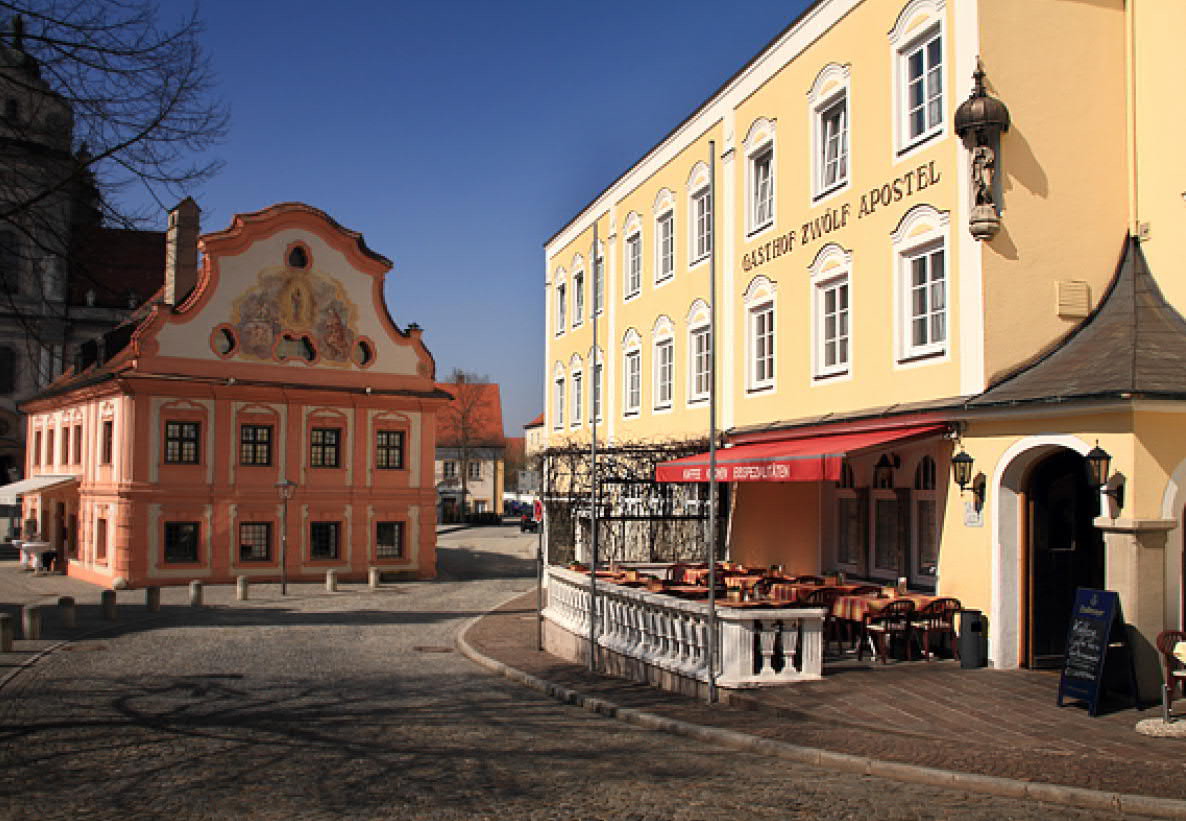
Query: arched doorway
(1066, 551)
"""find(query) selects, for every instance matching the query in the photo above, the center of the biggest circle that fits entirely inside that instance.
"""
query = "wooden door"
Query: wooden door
(1066, 551)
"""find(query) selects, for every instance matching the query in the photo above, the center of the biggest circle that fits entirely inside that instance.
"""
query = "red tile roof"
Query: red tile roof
(476, 410)
(536, 422)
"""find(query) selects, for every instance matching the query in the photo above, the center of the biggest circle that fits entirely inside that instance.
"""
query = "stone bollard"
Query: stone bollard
(107, 605)
(31, 622)
(331, 580)
(152, 599)
(195, 594)
(69, 612)
(373, 578)
(241, 588)
(6, 633)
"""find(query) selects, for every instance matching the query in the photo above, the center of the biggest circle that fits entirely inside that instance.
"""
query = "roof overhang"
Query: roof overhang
(35, 484)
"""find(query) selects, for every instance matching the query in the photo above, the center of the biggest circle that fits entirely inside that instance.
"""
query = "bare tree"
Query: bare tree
(99, 100)
(468, 425)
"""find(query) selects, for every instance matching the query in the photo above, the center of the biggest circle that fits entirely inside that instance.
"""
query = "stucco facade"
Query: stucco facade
(274, 359)
(851, 294)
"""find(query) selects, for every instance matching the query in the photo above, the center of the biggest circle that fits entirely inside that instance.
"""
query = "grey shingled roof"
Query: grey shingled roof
(1133, 343)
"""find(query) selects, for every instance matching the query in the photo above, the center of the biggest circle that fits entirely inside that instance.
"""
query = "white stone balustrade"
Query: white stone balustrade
(756, 646)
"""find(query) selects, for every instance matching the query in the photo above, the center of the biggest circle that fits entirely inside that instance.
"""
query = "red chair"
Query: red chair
(892, 620)
(824, 597)
(937, 618)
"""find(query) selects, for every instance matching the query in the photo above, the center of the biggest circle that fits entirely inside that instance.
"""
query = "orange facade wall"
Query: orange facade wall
(777, 523)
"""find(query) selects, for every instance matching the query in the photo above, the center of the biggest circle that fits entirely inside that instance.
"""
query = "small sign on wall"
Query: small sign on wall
(973, 515)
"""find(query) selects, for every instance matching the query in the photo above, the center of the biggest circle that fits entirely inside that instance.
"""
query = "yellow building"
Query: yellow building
(946, 227)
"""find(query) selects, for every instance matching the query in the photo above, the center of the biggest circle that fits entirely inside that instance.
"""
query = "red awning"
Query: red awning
(809, 459)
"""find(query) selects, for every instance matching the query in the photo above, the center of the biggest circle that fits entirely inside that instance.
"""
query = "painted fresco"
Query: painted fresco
(294, 313)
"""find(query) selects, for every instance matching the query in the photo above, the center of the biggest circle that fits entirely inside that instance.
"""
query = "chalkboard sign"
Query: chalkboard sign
(1096, 634)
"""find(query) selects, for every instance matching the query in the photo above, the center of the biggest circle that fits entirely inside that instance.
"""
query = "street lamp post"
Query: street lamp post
(286, 487)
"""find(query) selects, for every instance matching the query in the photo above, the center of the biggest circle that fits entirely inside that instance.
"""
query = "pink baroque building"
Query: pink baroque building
(156, 459)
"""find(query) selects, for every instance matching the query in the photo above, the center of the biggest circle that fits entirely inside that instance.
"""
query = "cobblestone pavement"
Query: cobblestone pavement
(353, 705)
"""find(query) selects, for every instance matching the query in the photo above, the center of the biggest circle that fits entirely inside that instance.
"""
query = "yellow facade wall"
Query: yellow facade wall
(776, 523)
(1062, 165)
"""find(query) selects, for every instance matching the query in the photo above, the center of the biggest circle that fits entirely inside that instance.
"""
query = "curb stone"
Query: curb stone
(1125, 803)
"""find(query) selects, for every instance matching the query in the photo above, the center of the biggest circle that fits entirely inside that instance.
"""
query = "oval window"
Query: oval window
(363, 353)
(298, 257)
(225, 341)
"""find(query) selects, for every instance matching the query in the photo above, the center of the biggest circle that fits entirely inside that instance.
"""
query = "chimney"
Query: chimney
(181, 251)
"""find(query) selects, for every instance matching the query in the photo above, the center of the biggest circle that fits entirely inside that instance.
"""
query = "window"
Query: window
(762, 189)
(561, 309)
(664, 246)
(701, 224)
(324, 538)
(389, 449)
(832, 326)
(49, 448)
(181, 542)
(255, 445)
(633, 265)
(577, 399)
(65, 445)
(78, 444)
(664, 372)
(595, 410)
(100, 540)
(37, 448)
(833, 145)
(389, 540)
(108, 441)
(7, 368)
(762, 346)
(924, 565)
(325, 447)
(701, 370)
(255, 541)
(578, 298)
(449, 469)
(598, 285)
(920, 71)
(558, 403)
(927, 302)
(181, 443)
(474, 470)
(632, 388)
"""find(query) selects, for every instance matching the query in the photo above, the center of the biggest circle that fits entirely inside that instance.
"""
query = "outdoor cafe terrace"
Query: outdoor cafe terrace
(652, 622)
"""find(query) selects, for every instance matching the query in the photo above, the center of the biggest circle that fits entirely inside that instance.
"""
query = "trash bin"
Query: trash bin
(972, 639)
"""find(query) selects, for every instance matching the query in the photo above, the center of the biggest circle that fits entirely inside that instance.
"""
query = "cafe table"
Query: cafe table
(794, 591)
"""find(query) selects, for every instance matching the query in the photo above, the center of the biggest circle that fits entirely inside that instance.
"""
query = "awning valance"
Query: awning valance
(35, 484)
(805, 459)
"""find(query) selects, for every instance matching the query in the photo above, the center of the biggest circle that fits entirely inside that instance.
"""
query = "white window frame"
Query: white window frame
(576, 406)
(558, 398)
(578, 298)
(761, 346)
(474, 470)
(632, 263)
(760, 298)
(699, 363)
(597, 389)
(700, 215)
(760, 206)
(561, 308)
(632, 381)
(922, 232)
(663, 365)
(919, 23)
(597, 296)
(830, 271)
(829, 91)
(665, 247)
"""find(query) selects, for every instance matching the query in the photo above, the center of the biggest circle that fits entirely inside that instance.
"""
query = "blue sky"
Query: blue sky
(459, 135)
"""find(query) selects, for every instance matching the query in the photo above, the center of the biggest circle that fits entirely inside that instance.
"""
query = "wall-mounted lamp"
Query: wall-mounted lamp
(961, 472)
(1099, 468)
(883, 471)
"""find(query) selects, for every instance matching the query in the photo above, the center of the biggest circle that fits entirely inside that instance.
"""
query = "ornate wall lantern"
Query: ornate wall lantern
(1099, 468)
(980, 121)
(961, 472)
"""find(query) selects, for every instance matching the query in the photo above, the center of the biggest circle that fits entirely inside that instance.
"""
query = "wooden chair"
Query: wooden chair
(809, 580)
(937, 618)
(677, 573)
(892, 620)
(1175, 670)
(825, 597)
